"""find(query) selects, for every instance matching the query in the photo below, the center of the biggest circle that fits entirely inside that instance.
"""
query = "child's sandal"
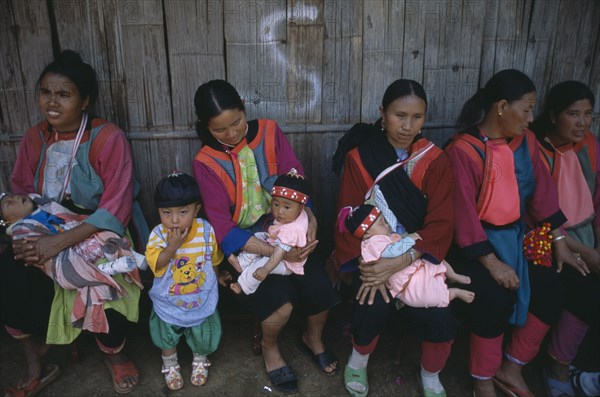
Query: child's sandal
(199, 372)
(173, 377)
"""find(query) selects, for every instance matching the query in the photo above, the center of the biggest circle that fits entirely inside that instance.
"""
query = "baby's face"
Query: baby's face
(15, 207)
(285, 210)
(380, 227)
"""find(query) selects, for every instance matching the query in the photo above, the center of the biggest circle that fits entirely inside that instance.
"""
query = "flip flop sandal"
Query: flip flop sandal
(429, 393)
(199, 372)
(284, 380)
(511, 391)
(321, 360)
(121, 371)
(173, 377)
(356, 376)
(51, 372)
(556, 388)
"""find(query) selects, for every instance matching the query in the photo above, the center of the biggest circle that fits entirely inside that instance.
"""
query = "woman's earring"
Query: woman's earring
(499, 113)
(419, 132)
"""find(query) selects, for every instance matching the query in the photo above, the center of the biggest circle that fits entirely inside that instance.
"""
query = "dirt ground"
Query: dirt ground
(235, 371)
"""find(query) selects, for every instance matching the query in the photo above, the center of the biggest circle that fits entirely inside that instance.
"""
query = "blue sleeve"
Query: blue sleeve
(235, 240)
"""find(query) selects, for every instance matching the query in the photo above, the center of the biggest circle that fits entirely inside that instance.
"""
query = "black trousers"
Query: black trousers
(26, 295)
(429, 324)
(488, 314)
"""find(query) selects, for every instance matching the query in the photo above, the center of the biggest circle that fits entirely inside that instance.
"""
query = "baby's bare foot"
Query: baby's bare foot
(236, 288)
(458, 278)
(461, 294)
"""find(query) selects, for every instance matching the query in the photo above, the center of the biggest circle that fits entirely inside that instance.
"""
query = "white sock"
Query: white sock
(199, 358)
(431, 381)
(590, 383)
(357, 360)
(170, 361)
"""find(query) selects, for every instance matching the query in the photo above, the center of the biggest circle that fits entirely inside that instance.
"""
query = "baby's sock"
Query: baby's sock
(357, 360)
(170, 361)
(431, 381)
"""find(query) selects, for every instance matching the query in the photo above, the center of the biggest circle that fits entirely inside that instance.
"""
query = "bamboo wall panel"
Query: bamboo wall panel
(195, 41)
(26, 48)
(256, 53)
(342, 61)
(383, 37)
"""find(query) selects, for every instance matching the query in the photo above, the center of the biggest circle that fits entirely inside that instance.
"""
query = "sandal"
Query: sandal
(511, 391)
(356, 377)
(284, 380)
(120, 372)
(556, 388)
(321, 360)
(173, 377)
(50, 373)
(199, 372)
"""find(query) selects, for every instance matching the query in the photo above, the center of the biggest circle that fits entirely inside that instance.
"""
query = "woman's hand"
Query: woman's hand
(374, 276)
(503, 274)
(562, 255)
(378, 272)
(24, 249)
(591, 257)
(365, 292)
(36, 251)
(299, 254)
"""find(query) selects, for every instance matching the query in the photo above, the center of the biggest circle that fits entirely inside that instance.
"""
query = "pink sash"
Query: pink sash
(498, 202)
(574, 196)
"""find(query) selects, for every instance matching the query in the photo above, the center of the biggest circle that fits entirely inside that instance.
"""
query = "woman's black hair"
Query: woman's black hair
(70, 65)
(401, 88)
(210, 100)
(176, 190)
(509, 84)
(560, 97)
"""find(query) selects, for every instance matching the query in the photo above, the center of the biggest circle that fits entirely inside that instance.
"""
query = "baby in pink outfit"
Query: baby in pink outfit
(422, 283)
(289, 195)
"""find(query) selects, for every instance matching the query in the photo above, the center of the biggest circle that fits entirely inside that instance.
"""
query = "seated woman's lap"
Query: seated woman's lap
(311, 293)
(429, 324)
(26, 295)
(488, 314)
(546, 301)
(582, 295)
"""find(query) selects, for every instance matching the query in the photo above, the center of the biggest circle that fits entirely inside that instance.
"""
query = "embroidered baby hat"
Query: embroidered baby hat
(358, 220)
(292, 186)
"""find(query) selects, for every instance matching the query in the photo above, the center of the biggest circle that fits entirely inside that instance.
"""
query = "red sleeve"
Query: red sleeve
(468, 177)
(353, 188)
(26, 163)
(438, 186)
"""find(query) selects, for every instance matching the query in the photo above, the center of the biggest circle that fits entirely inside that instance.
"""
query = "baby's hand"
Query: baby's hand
(176, 236)
(415, 236)
(260, 274)
(233, 261)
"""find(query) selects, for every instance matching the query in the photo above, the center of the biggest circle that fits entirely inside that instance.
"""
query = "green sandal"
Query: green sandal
(356, 376)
